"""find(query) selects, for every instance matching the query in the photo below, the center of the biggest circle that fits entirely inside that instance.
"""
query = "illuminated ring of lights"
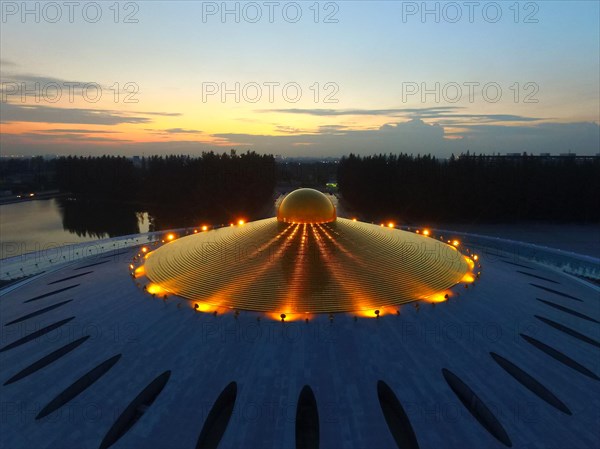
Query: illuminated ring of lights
(275, 267)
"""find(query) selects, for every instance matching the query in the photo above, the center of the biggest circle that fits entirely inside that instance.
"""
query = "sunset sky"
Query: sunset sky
(357, 64)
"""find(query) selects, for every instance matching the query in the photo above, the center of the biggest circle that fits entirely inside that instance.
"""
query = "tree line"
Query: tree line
(180, 189)
(24, 175)
(470, 188)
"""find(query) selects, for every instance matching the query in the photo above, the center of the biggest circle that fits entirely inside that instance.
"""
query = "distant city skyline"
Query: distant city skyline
(300, 79)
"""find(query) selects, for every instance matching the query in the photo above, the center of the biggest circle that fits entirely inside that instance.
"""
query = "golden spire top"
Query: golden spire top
(306, 206)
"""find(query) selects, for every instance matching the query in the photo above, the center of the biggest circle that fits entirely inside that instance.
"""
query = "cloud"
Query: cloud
(375, 112)
(413, 136)
(38, 144)
(42, 139)
(74, 131)
(437, 112)
(162, 114)
(69, 136)
(50, 114)
(285, 129)
(182, 131)
(173, 131)
(579, 137)
(24, 86)
(69, 90)
(333, 129)
(490, 117)
(417, 137)
(31, 80)
(7, 63)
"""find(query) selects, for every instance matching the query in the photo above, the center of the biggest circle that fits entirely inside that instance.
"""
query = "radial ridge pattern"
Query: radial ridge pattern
(272, 266)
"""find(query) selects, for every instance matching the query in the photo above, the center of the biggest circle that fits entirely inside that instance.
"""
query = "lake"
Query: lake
(35, 225)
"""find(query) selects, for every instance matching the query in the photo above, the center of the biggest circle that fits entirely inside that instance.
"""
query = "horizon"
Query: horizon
(300, 80)
(325, 159)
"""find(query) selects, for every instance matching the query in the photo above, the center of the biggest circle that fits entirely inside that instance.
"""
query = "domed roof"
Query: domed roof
(306, 206)
(276, 267)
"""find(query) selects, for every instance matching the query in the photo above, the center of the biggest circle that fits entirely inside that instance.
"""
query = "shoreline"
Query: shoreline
(25, 197)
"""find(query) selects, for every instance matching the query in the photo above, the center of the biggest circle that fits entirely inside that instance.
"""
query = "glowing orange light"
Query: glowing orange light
(438, 297)
(204, 307)
(426, 232)
(277, 316)
(205, 228)
(468, 278)
(144, 249)
(391, 224)
(417, 231)
(470, 263)
(354, 219)
(475, 257)
(455, 242)
(241, 222)
(170, 236)
(140, 271)
(195, 231)
(131, 266)
(372, 313)
(155, 289)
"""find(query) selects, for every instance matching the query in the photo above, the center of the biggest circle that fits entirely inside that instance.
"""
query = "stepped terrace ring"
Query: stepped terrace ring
(307, 266)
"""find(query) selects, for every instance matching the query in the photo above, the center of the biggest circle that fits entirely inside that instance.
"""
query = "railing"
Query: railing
(567, 261)
(54, 257)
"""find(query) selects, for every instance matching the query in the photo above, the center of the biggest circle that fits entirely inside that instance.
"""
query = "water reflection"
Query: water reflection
(34, 225)
(98, 219)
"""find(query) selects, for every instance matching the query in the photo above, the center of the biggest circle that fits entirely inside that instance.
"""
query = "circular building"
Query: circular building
(303, 331)
(305, 261)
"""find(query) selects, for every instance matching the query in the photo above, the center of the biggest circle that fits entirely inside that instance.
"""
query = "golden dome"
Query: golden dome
(272, 266)
(306, 206)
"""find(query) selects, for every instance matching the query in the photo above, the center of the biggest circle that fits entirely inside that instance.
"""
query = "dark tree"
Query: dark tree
(472, 188)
